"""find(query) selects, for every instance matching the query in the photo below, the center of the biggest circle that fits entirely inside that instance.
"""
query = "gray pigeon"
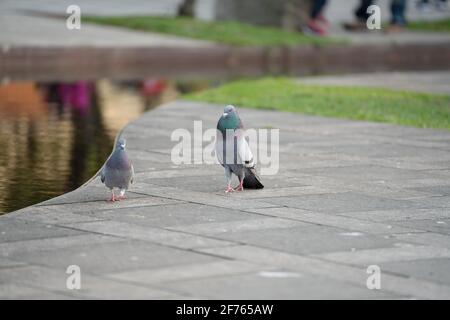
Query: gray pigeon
(118, 172)
(233, 152)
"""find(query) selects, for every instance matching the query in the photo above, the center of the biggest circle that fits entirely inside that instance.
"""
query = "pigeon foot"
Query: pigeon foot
(229, 190)
(240, 187)
(113, 197)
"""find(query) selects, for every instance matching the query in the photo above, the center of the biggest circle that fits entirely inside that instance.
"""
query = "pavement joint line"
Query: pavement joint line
(52, 237)
(43, 204)
(106, 276)
(237, 274)
(342, 216)
(200, 203)
(359, 266)
(89, 213)
(178, 292)
(158, 284)
(150, 241)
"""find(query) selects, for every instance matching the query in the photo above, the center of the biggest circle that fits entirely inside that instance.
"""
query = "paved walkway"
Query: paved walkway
(349, 194)
(24, 23)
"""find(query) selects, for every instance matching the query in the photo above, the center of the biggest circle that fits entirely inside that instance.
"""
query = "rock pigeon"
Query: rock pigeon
(118, 172)
(233, 152)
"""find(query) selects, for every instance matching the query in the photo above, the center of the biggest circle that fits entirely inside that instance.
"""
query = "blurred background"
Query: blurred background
(65, 93)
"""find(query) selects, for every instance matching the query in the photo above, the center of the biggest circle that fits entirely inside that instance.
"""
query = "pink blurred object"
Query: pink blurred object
(316, 28)
(324, 21)
(153, 87)
(76, 95)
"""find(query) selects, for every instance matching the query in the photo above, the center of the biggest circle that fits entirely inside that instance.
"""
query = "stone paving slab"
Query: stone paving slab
(434, 239)
(165, 237)
(113, 257)
(336, 206)
(342, 272)
(26, 23)
(187, 272)
(21, 28)
(46, 281)
(253, 285)
(402, 252)
(400, 215)
(323, 219)
(341, 202)
(435, 270)
(12, 249)
(174, 215)
(15, 230)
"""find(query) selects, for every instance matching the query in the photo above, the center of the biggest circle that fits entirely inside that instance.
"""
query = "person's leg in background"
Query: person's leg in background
(361, 12)
(317, 7)
(317, 24)
(361, 17)
(398, 21)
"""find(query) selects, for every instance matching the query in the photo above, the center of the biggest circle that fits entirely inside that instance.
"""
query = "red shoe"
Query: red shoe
(324, 21)
(315, 28)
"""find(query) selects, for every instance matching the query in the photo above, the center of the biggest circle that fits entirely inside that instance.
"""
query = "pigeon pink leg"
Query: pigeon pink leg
(113, 198)
(240, 187)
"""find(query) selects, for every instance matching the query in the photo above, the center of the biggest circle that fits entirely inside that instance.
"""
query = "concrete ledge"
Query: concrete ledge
(75, 63)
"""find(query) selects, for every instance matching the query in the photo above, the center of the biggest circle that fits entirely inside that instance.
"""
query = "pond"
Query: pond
(55, 136)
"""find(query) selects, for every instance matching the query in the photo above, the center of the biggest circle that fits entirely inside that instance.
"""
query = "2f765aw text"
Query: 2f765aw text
(226, 309)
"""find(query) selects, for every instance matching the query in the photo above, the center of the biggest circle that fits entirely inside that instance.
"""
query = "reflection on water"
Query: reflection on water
(54, 137)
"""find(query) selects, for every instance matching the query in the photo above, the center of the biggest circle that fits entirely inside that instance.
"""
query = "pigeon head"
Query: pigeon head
(229, 119)
(121, 143)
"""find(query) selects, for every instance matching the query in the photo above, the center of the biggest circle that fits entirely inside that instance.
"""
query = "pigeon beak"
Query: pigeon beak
(225, 114)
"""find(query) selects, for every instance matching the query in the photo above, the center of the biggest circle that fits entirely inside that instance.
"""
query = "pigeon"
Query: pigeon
(233, 152)
(118, 172)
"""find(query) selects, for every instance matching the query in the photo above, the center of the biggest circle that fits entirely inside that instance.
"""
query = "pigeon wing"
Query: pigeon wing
(102, 174)
(219, 147)
(251, 178)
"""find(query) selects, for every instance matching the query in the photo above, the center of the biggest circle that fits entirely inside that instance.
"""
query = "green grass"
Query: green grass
(380, 105)
(227, 32)
(436, 26)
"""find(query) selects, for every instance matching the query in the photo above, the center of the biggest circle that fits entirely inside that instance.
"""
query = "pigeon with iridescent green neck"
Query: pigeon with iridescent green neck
(233, 152)
(118, 171)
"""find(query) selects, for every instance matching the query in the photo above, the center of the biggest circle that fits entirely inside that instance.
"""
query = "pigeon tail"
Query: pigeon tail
(251, 179)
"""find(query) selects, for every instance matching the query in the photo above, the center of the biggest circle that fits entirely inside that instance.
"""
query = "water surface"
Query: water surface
(55, 136)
